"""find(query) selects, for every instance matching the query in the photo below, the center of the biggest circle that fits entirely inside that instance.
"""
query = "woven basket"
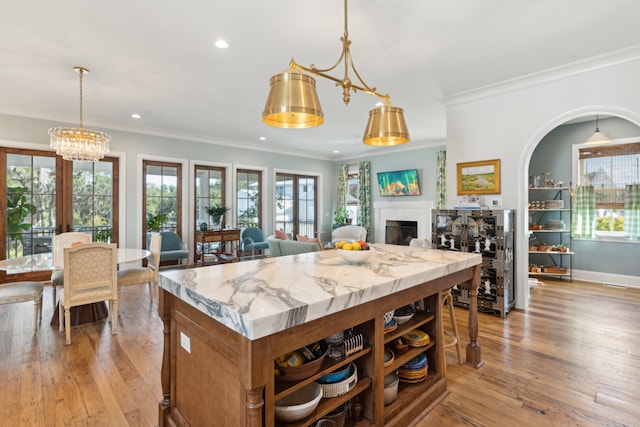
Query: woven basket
(342, 387)
(303, 371)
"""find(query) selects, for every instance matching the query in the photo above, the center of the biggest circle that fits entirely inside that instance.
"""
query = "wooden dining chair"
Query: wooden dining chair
(58, 243)
(89, 276)
(148, 274)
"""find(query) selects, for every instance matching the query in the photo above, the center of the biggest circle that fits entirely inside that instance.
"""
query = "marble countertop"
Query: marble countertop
(260, 297)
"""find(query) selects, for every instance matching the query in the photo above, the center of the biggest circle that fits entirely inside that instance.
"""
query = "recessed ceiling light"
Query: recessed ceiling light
(221, 44)
(263, 138)
(336, 151)
(136, 116)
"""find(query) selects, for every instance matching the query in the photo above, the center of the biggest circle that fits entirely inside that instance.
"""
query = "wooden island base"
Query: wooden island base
(214, 376)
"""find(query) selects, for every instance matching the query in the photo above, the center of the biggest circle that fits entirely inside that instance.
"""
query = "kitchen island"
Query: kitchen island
(225, 324)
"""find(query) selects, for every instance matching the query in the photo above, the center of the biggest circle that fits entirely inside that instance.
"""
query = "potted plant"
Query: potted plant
(18, 210)
(154, 222)
(342, 216)
(216, 212)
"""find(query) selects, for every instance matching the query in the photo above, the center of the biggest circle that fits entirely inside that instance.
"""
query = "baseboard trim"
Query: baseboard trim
(607, 278)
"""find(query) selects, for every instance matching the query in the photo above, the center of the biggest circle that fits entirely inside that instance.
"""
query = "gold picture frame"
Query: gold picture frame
(479, 177)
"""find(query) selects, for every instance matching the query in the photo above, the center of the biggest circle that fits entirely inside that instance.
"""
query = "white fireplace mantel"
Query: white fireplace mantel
(419, 211)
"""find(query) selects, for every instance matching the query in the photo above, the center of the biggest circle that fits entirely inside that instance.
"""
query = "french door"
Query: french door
(295, 205)
(45, 195)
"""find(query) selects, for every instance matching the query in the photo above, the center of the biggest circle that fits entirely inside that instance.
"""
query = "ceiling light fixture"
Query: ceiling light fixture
(79, 143)
(221, 44)
(597, 137)
(293, 102)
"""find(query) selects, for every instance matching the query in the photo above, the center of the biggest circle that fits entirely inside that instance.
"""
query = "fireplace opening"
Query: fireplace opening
(400, 232)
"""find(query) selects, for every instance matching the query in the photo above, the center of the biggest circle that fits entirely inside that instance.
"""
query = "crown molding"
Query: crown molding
(584, 66)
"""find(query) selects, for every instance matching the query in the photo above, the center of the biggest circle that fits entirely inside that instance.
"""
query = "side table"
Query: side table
(227, 251)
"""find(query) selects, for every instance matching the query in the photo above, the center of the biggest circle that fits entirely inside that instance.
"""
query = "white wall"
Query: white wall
(507, 122)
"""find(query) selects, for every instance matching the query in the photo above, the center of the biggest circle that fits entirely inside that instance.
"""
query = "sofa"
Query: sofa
(280, 247)
(172, 248)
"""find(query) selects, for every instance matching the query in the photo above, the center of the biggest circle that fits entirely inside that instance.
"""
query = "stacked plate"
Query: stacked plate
(416, 338)
(554, 204)
(415, 370)
(390, 326)
(388, 357)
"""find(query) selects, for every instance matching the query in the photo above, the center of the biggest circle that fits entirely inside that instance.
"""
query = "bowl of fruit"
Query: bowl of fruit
(356, 252)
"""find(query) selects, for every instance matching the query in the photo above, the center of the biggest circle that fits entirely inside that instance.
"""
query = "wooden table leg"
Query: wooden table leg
(473, 348)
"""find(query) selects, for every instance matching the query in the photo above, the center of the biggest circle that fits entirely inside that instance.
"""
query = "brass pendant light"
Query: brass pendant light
(293, 101)
(386, 127)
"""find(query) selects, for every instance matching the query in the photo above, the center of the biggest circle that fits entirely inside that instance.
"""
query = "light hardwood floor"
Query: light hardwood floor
(572, 358)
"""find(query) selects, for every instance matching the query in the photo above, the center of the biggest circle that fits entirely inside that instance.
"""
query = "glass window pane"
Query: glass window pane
(30, 204)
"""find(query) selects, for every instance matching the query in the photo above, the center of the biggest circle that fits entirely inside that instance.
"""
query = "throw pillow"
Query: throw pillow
(302, 238)
(280, 234)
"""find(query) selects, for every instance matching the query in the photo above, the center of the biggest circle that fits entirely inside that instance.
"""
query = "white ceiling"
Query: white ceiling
(157, 58)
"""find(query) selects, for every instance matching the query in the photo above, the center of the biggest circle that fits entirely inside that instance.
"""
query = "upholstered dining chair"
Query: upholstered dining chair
(148, 274)
(89, 276)
(23, 292)
(58, 243)
(253, 240)
(349, 232)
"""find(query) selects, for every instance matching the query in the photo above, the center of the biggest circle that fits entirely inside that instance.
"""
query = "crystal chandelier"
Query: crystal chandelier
(79, 143)
(293, 102)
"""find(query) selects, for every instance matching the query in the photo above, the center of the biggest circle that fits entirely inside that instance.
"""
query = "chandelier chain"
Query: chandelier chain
(81, 71)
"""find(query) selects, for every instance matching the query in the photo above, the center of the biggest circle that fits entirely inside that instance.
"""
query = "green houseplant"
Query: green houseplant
(18, 210)
(216, 212)
(342, 216)
(154, 222)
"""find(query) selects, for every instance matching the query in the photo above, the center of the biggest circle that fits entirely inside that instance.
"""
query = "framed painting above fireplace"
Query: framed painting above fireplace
(399, 183)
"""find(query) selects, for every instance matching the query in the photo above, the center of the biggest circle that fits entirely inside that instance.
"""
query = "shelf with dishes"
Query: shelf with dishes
(550, 243)
(325, 386)
(409, 349)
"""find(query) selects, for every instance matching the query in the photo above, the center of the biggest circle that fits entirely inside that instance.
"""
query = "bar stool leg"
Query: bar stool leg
(447, 299)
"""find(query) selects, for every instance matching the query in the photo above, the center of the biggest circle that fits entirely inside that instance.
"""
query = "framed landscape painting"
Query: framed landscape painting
(479, 177)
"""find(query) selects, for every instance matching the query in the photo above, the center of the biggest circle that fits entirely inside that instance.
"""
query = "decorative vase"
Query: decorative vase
(204, 226)
(217, 222)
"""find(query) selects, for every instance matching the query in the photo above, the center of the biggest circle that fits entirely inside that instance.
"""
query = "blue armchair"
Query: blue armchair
(172, 247)
(253, 240)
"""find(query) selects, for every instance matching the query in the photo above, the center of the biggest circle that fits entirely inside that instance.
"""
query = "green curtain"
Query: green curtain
(583, 212)
(343, 173)
(364, 196)
(441, 180)
(632, 211)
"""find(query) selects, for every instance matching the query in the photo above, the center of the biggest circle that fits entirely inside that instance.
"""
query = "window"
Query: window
(248, 197)
(352, 196)
(94, 191)
(46, 195)
(296, 207)
(608, 168)
(209, 187)
(162, 194)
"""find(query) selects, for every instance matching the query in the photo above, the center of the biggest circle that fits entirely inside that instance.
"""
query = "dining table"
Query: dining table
(44, 261)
